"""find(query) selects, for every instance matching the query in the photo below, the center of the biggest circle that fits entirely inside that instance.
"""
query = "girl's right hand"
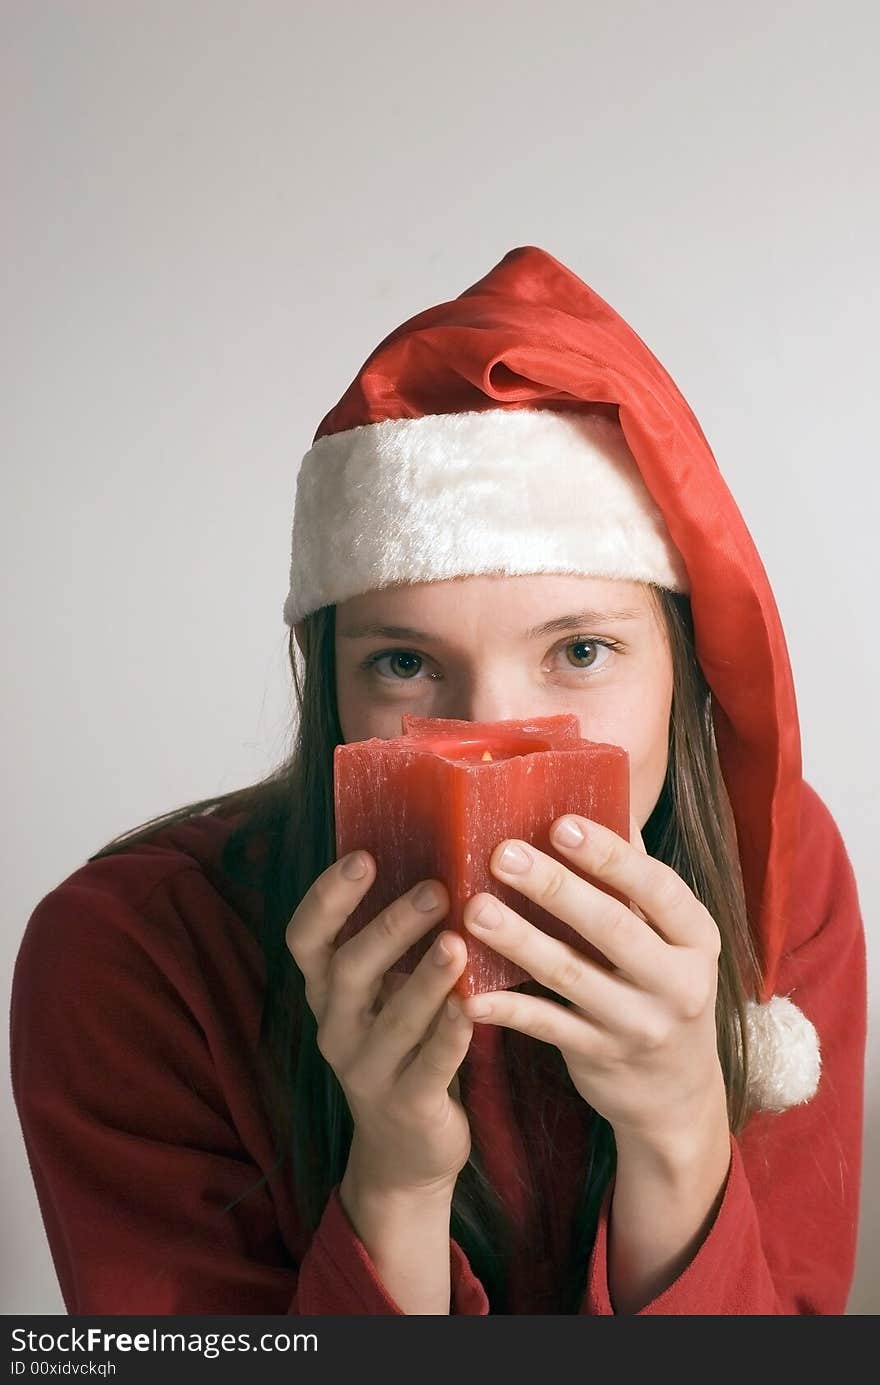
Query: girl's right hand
(393, 1047)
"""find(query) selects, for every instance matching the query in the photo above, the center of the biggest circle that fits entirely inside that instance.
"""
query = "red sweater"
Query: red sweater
(134, 1024)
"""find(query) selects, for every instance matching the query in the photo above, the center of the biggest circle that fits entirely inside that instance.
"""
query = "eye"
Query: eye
(591, 645)
(405, 664)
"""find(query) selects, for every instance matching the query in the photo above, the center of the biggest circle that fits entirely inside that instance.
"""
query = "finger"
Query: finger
(559, 967)
(436, 1065)
(359, 970)
(669, 906)
(363, 959)
(606, 923)
(542, 1019)
(451, 1011)
(310, 935)
(361, 966)
(402, 1024)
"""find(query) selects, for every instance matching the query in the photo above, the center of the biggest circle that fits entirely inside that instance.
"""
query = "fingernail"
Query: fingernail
(426, 897)
(487, 916)
(514, 859)
(440, 953)
(453, 1010)
(568, 833)
(354, 867)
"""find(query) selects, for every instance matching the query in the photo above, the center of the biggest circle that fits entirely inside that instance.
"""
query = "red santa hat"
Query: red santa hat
(524, 427)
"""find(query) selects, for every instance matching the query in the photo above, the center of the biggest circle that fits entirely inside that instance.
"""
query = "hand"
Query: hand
(638, 1037)
(388, 1038)
(392, 982)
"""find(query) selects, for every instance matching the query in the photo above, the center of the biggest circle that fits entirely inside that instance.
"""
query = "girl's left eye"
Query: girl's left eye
(409, 655)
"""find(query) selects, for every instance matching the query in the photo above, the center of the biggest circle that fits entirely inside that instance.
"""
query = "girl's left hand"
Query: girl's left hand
(639, 1036)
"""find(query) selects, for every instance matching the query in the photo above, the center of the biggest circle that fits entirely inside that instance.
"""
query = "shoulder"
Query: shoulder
(821, 848)
(825, 894)
(818, 826)
(147, 911)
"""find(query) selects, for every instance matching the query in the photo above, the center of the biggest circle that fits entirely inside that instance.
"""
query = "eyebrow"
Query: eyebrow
(548, 627)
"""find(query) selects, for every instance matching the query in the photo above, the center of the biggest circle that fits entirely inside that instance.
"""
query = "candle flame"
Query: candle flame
(487, 755)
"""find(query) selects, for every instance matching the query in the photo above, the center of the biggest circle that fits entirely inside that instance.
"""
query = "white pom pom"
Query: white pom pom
(784, 1055)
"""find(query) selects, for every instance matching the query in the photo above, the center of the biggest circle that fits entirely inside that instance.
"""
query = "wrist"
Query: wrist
(406, 1234)
(362, 1187)
(699, 1140)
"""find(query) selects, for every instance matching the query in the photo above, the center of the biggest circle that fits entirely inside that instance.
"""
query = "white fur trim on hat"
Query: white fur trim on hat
(784, 1055)
(449, 495)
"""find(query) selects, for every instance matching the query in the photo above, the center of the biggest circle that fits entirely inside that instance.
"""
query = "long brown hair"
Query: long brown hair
(290, 814)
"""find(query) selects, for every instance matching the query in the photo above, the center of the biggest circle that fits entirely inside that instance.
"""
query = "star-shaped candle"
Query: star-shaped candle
(434, 802)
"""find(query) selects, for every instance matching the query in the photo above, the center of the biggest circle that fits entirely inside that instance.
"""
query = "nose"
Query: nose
(488, 699)
(496, 702)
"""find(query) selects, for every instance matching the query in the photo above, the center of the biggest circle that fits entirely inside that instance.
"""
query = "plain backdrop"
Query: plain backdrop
(214, 211)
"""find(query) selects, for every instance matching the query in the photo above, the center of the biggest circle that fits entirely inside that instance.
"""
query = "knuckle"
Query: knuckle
(697, 993)
(713, 939)
(567, 975)
(292, 938)
(314, 1003)
(540, 1029)
(303, 959)
(670, 889)
(551, 886)
(342, 968)
(391, 924)
(324, 1044)
(607, 853)
(653, 1033)
(691, 1004)
(618, 927)
(357, 1084)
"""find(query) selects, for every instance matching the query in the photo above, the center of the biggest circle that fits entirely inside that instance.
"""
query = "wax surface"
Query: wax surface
(436, 801)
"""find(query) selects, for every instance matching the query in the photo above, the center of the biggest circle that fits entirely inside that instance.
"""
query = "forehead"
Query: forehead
(514, 605)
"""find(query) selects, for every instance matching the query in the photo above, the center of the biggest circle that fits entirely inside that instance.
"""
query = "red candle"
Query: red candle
(435, 802)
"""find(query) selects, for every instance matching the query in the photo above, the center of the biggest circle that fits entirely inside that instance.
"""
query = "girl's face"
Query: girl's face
(497, 648)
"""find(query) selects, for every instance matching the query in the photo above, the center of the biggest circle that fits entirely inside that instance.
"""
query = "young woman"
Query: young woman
(511, 512)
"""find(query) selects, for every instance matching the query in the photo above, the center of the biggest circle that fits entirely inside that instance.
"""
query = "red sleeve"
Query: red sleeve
(132, 1141)
(340, 1272)
(784, 1238)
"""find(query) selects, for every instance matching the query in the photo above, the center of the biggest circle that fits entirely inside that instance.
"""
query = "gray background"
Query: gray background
(214, 211)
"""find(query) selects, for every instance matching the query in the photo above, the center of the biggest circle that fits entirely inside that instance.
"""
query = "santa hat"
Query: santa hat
(524, 427)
